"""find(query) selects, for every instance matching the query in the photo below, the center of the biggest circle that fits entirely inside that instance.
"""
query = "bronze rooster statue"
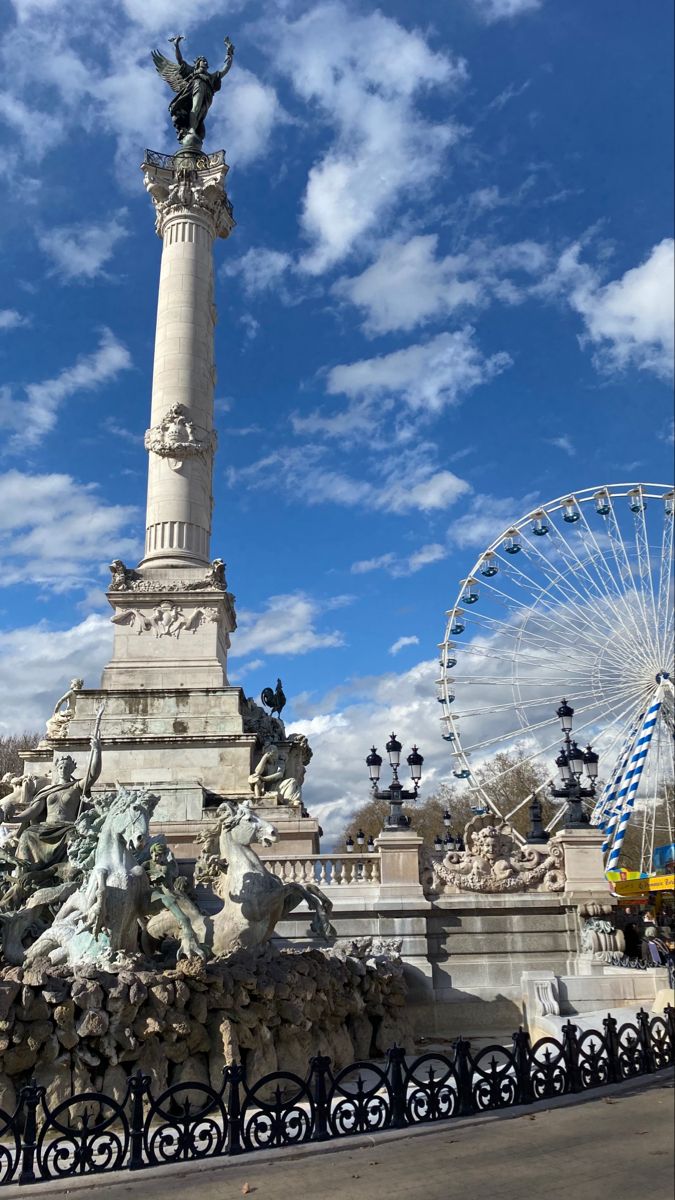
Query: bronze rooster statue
(275, 701)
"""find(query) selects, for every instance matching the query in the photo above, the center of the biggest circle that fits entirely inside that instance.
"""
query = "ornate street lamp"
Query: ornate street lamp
(395, 793)
(571, 763)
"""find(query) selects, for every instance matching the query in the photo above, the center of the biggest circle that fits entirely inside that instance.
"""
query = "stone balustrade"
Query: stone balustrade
(327, 870)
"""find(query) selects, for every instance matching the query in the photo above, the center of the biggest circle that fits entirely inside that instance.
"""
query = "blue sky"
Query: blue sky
(448, 297)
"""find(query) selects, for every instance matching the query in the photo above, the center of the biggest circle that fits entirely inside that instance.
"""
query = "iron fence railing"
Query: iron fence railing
(91, 1133)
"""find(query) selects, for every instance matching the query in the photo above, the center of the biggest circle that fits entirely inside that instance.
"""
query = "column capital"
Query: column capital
(189, 185)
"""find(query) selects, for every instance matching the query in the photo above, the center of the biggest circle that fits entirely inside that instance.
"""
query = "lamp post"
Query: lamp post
(571, 763)
(395, 793)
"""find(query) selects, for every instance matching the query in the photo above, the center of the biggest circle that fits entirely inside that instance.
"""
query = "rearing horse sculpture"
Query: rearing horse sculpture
(102, 917)
(255, 900)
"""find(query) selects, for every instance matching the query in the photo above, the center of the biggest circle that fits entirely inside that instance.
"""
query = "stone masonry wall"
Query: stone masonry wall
(272, 1009)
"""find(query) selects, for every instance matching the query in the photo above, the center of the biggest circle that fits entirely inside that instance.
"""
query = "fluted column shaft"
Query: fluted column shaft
(192, 209)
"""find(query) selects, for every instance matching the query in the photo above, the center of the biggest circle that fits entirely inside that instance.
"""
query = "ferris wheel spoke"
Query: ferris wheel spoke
(622, 557)
(551, 618)
(645, 568)
(512, 734)
(620, 613)
(665, 590)
(558, 578)
(506, 656)
(562, 583)
(623, 616)
(574, 625)
(493, 624)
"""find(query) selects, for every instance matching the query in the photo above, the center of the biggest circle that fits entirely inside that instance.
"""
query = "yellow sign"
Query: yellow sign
(642, 887)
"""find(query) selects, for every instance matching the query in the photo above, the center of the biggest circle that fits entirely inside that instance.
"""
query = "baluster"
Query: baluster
(29, 1098)
(396, 1058)
(669, 1014)
(521, 1053)
(464, 1076)
(643, 1020)
(319, 1069)
(322, 872)
(349, 871)
(235, 1076)
(612, 1040)
(571, 1053)
(338, 868)
(138, 1086)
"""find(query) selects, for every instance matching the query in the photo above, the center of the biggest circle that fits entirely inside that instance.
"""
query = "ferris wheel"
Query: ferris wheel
(573, 601)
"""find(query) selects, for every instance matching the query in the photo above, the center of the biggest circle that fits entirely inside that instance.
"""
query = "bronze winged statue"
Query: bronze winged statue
(195, 86)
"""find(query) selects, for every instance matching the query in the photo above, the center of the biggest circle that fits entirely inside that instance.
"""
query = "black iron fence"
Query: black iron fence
(93, 1133)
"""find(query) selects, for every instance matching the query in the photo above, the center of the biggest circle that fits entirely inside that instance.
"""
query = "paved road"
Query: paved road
(613, 1148)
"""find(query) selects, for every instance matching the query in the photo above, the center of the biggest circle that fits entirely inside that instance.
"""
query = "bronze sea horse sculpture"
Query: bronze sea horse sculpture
(195, 86)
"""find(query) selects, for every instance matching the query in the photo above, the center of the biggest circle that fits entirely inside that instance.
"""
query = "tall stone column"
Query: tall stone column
(191, 209)
(173, 614)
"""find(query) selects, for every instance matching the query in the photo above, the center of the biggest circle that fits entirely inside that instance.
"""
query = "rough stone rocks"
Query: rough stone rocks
(271, 1009)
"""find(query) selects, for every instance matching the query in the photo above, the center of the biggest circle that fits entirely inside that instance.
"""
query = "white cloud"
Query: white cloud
(260, 269)
(500, 10)
(243, 122)
(58, 533)
(37, 136)
(402, 642)
(34, 417)
(485, 517)
(160, 15)
(415, 484)
(11, 319)
(344, 725)
(564, 442)
(408, 284)
(80, 252)
(363, 74)
(366, 565)
(398, 566)
(427, 377)
(286, 625)
(37, 661)
(630, 320)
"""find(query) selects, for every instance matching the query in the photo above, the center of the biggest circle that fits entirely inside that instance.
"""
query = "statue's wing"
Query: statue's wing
(196, 619)
(131, 616)
(175, 74)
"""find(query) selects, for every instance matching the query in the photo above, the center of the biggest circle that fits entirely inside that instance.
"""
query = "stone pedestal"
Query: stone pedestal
(584, 866)
(400, 869)
(169, 634)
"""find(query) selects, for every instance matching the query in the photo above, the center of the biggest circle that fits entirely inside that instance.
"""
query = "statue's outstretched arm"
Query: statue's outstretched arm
(62, 700)
(93, 766)
(176, 41)
(228, 61)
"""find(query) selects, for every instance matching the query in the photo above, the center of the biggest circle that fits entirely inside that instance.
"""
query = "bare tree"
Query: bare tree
(10, 751)
(508, 779)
